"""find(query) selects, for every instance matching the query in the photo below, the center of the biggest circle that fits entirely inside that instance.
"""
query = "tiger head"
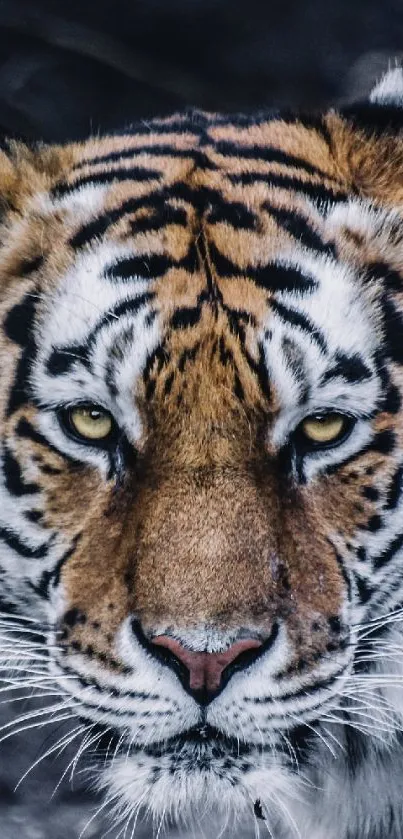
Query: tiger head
(201, 467)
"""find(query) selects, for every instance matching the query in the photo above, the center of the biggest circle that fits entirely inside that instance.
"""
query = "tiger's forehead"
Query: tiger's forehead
(202, 234)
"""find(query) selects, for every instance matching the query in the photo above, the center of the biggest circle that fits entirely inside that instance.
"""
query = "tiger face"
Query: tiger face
(201, 446)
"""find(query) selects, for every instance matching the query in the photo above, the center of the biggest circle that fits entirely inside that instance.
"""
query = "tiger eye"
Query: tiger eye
(90, 422)
(323, 429)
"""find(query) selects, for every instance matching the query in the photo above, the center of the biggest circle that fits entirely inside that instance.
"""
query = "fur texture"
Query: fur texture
(211, 282)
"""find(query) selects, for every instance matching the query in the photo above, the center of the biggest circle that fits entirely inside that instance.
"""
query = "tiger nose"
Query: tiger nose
(205, 674)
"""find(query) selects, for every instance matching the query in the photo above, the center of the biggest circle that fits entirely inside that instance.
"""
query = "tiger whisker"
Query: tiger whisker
(13, 700)
(20, 618)
(73, 762)
(37, 725)
(35, 713)
(379, 618)
(58, 747)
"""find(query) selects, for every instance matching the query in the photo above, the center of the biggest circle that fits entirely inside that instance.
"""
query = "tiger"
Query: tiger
(201, 482)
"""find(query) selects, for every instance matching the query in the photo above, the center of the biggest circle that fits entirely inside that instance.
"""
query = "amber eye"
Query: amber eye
(322, 429)
(89, 422)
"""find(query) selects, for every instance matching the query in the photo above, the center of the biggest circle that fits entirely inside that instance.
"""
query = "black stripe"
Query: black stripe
(260, 369)
(343, 570)
(47, 469)
(135, 173)
(159, 150)
(318, 192)
(298, 226)
(395, 489)
(28, 266)
(18, 326)
(94, 229)
(148, 266)
(271, 155)
(151, 384)
(315, 122)
(49, 578)
(188, 355)
(20, 390)
(392, 400)
(157, 202)
(274, 277)
(62, 359)
(33, 515)
(127, 307)
(237, 320)
(184, 318)
(308, 690)
(393, 325)
(19, 321)
(14, 480)
(223, 266)
(234, 213)
(299, 320)
(197, 198)
(388, 553)
(370, 492)
(12, 539)
(160, 217)
(27, 431)
(213, 291)
(349, 367)
(168, 383)
(389, 276)
(159, 357)
(310, 121)
(364, 588)
(226, 354)
(150, 317)
(90, 681)
(383, 443)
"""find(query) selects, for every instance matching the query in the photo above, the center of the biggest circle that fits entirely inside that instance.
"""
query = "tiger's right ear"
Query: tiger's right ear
(367, 141)
(382, 111)
(388, 92)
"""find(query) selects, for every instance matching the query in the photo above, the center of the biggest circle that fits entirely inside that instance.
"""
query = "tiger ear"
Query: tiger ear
(388, 92)
(367, 138)
(382, 111)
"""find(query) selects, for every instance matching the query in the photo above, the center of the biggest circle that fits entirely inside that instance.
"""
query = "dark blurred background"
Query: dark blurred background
(71, 67)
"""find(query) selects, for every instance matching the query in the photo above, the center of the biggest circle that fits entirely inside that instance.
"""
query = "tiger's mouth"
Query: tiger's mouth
(202, 744)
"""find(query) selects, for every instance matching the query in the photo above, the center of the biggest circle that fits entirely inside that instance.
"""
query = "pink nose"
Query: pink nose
(206, 669)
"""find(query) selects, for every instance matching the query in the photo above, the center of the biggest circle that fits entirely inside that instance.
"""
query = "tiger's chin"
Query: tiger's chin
(195, 778)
